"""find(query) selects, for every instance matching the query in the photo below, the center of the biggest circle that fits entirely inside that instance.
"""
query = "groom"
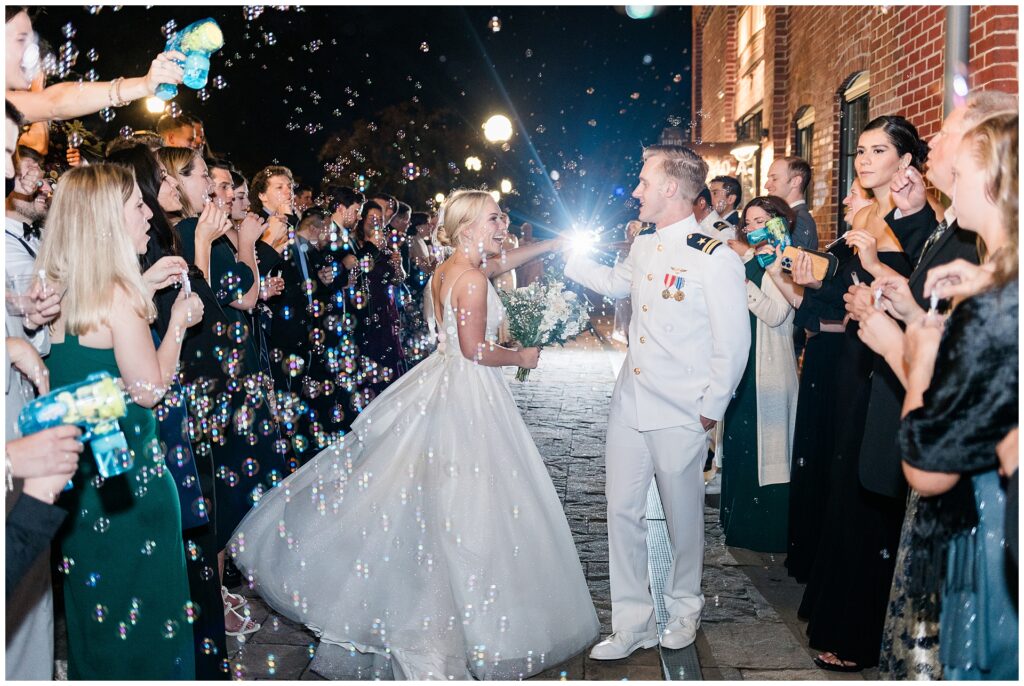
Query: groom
(689, 338)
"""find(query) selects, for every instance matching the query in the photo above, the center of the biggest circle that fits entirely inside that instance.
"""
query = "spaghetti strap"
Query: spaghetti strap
(445, 299)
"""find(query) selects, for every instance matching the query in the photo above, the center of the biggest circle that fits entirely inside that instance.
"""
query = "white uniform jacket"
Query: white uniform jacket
(689, 336)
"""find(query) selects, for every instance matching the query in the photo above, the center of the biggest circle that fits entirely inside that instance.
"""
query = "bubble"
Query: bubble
(424, 47)
(169, 28)
(648, 58)
(99, 613)
(94, 578)
(208, 646)
(494, 24)
(126, 132)
(252, 12)
(190, 612)
(107, 114)
(269, 38)
(169, 629)
(68, 30)
(219, 83)
(250, 466)
(174, 109)
(101, 525)
(677, 78)
(148, 547)
(203, 94)
(529, 52)
(65, 565)
(592, 122)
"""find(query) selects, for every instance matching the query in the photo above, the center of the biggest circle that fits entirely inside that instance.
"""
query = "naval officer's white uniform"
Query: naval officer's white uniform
(687, 352)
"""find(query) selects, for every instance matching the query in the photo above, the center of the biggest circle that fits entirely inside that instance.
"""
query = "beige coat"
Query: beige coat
(777, 382)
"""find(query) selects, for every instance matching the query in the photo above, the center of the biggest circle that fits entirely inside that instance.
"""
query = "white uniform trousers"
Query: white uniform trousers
(675, 457)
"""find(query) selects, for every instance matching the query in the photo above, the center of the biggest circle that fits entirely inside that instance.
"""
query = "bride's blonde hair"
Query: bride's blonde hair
(86, 248)
(462, 208)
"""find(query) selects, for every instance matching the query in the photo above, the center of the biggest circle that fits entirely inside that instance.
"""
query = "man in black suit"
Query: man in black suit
(787, 179)
(929, 242)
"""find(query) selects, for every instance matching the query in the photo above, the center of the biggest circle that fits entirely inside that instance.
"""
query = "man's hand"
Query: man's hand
(708, 424)
(52, 451)
(907, 191)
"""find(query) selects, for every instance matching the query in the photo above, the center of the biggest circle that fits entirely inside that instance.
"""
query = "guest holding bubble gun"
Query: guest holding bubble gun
(126, 596)
(758, 425)
(72, 99)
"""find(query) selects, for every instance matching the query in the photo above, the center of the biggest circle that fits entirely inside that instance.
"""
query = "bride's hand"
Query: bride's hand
(529, 357)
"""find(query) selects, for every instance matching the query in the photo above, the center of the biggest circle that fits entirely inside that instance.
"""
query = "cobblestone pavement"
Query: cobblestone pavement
(749, 628)
(565, 405)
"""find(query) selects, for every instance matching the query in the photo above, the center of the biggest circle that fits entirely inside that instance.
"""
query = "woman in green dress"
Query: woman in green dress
(758, 426)
(129, 615)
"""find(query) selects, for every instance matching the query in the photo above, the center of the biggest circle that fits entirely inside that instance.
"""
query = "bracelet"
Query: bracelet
(114, 94)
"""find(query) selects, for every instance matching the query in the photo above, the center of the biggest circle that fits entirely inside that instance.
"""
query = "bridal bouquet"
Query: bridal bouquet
(542, 314)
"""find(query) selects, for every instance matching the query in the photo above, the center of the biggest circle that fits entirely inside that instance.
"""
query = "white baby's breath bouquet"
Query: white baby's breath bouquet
(543, 314)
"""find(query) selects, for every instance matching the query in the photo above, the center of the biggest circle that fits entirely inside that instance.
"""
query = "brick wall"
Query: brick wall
(811, 53)
(714, 110)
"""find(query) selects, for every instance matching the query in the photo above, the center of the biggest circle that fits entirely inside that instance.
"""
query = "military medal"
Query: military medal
(673, 288)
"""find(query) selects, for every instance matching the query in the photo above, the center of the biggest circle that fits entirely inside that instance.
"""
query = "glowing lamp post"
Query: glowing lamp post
(155, 105)
(498, 129)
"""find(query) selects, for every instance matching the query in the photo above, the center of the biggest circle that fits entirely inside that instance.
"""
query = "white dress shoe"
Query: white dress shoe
(680, 633)
(622, 644)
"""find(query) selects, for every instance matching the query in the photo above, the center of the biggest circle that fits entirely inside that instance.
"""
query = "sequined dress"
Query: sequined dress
(431, 535)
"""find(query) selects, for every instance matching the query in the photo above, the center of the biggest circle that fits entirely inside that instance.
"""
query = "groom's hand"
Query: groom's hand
(708, 424)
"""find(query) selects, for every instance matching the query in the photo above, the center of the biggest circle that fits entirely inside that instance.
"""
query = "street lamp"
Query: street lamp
(506, 186)
(498, 129)
(155, 105)
(473, 163)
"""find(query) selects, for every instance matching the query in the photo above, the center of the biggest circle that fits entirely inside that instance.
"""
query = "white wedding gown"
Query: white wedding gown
(430, 536)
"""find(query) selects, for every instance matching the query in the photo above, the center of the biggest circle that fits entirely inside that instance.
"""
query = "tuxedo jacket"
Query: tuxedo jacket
(690, 331)
(805, 233)
(881, 470)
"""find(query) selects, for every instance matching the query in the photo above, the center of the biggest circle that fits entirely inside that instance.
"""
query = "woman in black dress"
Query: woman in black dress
(233, 418)
(375, 300)
(848, 589)
(820, 314)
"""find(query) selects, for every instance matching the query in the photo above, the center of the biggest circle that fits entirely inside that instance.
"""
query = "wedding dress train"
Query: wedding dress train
(431, 535)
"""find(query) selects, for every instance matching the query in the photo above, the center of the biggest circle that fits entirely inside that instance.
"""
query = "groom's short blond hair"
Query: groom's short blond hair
(682, 164)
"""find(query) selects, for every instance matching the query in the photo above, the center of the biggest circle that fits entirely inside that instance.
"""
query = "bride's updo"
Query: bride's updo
(459, 211)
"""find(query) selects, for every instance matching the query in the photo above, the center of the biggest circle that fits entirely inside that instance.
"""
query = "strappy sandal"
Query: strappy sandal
(232, 601)
(835, 666)
(249, 625)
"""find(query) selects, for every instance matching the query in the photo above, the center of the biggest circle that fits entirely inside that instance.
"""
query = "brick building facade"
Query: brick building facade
(804, 79)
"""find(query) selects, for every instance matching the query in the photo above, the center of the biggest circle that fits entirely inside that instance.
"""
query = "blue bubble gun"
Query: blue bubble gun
(95, 404)
(776, 233)
(197, 41)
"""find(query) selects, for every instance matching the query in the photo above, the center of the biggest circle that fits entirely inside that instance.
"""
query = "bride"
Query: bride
(431, 536)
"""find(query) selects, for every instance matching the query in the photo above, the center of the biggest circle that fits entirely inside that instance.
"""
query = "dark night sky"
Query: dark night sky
(585, 86)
